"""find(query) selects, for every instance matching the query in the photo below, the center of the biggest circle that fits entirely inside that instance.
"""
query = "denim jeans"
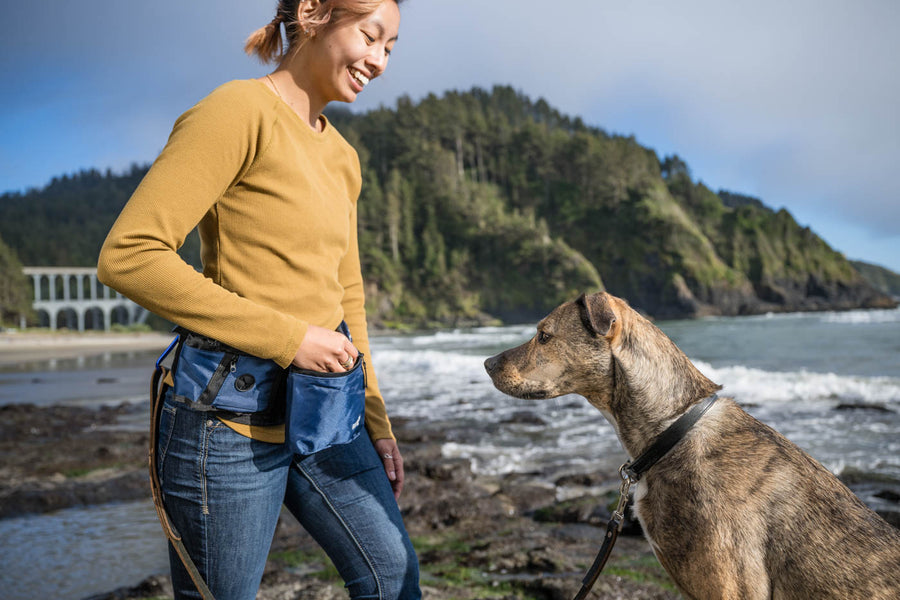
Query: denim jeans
(224, 491)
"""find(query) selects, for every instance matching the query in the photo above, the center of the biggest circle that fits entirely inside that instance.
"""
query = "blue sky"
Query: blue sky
(796, 102)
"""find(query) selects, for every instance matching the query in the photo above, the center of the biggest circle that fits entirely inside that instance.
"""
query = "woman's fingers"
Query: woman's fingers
(325, 350)
(393, 463)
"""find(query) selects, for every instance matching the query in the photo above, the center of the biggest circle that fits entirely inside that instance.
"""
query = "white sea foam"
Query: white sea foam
(891, 315)
(757, 386)
(475, 337)
(862, 316)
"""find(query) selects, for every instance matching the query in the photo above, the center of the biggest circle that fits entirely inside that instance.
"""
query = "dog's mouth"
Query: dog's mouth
(523, 391)
(534, 395)
(510, 382)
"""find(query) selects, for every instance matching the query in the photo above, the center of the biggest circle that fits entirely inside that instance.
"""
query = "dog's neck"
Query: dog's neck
(653, 384)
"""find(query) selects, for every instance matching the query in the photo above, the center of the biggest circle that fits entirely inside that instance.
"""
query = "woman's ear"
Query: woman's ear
(306, 10)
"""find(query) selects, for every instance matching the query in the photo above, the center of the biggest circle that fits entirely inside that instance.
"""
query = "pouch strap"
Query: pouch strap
(157, 392)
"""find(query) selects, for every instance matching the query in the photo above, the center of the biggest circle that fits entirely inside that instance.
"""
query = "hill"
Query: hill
(488, 203)
(881, 278)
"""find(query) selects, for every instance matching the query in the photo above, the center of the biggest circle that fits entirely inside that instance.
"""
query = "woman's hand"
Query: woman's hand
(325, 350)
(393, 463)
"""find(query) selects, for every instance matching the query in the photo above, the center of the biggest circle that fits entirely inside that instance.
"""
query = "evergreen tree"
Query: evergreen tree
(15, 291)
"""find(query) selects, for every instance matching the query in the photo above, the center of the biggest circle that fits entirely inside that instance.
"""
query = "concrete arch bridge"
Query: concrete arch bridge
(73, 298)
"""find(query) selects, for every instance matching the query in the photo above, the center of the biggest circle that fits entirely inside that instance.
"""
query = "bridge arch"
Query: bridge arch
(73, 297)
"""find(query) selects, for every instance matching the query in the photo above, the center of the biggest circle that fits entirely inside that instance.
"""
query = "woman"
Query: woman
(273, 187)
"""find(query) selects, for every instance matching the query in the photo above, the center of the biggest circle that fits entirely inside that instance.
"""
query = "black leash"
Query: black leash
(631, 472)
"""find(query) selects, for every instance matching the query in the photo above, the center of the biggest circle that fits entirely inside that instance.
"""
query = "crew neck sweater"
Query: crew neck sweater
(275, 203)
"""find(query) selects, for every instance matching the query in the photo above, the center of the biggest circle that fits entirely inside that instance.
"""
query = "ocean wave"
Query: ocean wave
(475, 337)
(454, 371)
(858, 316)
(758, 386)
(862, 316)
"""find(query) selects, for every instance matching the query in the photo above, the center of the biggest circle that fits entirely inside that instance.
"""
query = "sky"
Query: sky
(796, 102)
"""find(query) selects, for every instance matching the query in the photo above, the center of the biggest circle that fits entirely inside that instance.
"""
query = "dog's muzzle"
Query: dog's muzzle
(491, 364)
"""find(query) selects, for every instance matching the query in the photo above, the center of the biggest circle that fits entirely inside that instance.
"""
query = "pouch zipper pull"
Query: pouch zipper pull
(226, 365)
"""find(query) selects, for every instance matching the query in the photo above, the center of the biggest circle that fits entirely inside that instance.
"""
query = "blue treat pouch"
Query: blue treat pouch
(215, 377)
(324, 409)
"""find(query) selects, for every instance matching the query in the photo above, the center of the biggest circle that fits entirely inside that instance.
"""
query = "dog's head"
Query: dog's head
(576, 338)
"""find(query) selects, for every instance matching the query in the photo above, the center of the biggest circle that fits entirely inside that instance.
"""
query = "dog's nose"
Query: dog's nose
(491, 363)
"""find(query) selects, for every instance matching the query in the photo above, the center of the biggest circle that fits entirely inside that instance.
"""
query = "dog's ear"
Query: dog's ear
(596, 313)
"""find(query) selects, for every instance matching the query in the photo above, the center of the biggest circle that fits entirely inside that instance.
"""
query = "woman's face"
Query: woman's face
(343, 59)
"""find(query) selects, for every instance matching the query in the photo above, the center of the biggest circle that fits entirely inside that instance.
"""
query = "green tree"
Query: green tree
(15, 293)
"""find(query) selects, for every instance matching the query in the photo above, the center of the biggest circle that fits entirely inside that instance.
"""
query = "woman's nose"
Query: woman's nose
(377, 61)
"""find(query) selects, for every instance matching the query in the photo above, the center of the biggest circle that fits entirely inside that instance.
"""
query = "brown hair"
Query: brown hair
(266, 42)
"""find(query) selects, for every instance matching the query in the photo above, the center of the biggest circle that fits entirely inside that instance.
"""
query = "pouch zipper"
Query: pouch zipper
(227, 365)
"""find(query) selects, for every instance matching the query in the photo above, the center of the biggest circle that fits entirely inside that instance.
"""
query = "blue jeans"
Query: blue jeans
(224, 491)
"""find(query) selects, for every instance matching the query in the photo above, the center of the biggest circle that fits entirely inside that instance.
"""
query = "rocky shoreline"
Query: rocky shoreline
(477, 537)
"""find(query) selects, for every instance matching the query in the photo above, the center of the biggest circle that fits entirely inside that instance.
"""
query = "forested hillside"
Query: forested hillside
(486, 203)
(883, 279)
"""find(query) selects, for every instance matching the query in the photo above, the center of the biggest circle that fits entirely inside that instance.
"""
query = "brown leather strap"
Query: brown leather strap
(157, 392)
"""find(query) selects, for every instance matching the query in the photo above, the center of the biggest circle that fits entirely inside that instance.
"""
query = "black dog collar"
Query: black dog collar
(667, 439)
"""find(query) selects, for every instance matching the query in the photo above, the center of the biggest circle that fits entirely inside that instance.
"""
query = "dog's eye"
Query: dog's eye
(543, 337)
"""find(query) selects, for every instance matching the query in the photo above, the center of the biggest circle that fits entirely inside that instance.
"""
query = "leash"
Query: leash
(157, 388)
(631, 472)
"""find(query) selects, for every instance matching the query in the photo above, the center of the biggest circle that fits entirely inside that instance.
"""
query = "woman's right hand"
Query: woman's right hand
(325, 350)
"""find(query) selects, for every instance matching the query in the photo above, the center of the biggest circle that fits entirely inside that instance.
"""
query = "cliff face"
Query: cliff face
(884, 280)
(487, 204)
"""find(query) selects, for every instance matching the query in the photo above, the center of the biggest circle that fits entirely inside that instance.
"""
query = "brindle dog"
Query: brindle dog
(735, 510)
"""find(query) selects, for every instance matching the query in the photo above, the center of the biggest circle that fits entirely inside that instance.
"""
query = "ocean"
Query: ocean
(829, 381)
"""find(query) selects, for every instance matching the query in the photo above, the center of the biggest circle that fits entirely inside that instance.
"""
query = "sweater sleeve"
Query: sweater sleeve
(210, 148)
(354, 306)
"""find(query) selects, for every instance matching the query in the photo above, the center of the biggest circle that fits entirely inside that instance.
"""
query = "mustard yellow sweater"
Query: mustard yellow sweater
(276, 206)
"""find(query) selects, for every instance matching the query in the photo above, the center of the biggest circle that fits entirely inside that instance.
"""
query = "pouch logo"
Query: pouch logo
(356, 423)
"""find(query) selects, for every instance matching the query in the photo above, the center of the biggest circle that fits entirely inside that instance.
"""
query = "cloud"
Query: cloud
(794, 102)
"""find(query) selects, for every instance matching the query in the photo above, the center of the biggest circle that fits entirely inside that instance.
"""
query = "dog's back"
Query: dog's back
(747, 495)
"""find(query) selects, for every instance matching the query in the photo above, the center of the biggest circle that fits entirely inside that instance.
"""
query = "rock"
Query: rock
(584, 509)
(525, 494)
(889, 495)
(525, 418)
(582, 479)
(863, 406)
(152, 587)
(453, 469)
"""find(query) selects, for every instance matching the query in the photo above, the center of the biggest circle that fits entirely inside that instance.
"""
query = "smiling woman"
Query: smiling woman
(361, 35)
(273, 188)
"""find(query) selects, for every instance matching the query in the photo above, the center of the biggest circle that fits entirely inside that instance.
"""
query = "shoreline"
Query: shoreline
(476, 536)
(23, 347)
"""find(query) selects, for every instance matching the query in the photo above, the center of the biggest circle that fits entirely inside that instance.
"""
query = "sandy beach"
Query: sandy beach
(18, 347)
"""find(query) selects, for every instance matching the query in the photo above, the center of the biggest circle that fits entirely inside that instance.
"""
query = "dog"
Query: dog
(734, 510)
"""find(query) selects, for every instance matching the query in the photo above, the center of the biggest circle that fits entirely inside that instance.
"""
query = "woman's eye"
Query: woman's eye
(369, 38)
(543, 338)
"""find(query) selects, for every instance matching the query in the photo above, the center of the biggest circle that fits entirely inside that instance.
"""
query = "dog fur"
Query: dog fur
(735, 510)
